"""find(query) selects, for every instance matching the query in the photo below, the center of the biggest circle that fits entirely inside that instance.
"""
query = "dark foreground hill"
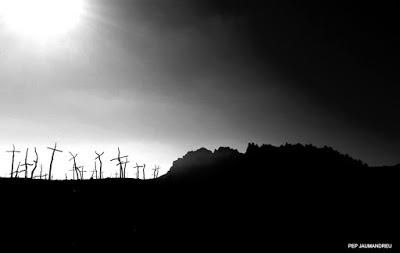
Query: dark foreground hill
(268, 199)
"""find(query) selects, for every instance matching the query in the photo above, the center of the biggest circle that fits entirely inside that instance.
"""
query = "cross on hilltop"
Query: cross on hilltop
(120, 163)
(52, 158)
(13, 151)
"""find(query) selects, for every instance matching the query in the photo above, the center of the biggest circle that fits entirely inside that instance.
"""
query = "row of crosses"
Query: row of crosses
(77, 171)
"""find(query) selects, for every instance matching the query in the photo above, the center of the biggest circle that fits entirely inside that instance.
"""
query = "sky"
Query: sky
(160, 78)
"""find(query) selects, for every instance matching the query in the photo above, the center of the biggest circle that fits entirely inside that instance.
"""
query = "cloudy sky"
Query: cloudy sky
(159, 78)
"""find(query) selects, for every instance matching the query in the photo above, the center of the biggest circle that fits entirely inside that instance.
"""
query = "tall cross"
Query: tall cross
(12, 161)
(74, 165)
(144, 175)
(124, 163)
(155, 171)
(98, 157)
(118, 158)
(52, 158)
(26, 164)
(137, 167)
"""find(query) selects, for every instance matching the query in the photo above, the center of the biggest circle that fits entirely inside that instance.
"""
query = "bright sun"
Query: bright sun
(41, 19)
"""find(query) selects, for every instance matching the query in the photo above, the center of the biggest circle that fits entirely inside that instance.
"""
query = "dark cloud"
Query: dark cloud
(341, 56)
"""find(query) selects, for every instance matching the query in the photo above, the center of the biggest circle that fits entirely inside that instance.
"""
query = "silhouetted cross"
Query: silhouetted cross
(154, 171)
(137, 170)
(124, 163)
(144, 175)
(118, 158)
(98, 157)
(26, 164)
(12, 161)
(52, 158)
(74, 165)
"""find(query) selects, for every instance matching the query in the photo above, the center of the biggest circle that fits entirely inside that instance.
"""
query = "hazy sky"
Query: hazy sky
(160, 78)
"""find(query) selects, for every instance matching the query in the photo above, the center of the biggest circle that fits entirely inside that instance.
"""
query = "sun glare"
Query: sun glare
(41, 19)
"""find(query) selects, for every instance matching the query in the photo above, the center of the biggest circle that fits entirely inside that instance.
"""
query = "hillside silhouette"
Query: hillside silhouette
(226, 165)
(292, 197)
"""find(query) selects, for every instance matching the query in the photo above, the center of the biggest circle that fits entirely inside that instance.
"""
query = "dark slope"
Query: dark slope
(226, 165)
(292, 197)
(299, 196)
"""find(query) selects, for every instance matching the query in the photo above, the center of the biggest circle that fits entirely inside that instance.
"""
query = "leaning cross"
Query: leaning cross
(52, 158)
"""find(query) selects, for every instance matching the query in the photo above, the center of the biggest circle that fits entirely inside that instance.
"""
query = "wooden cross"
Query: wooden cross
(137, 170)
(82, 171)
(26, 164)
(155, 171)
(52, 158)
(12, 161)
(98, 157)
(124, 163)
(74, 165)
(118, 158)
(144, 175)
(36, 162)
